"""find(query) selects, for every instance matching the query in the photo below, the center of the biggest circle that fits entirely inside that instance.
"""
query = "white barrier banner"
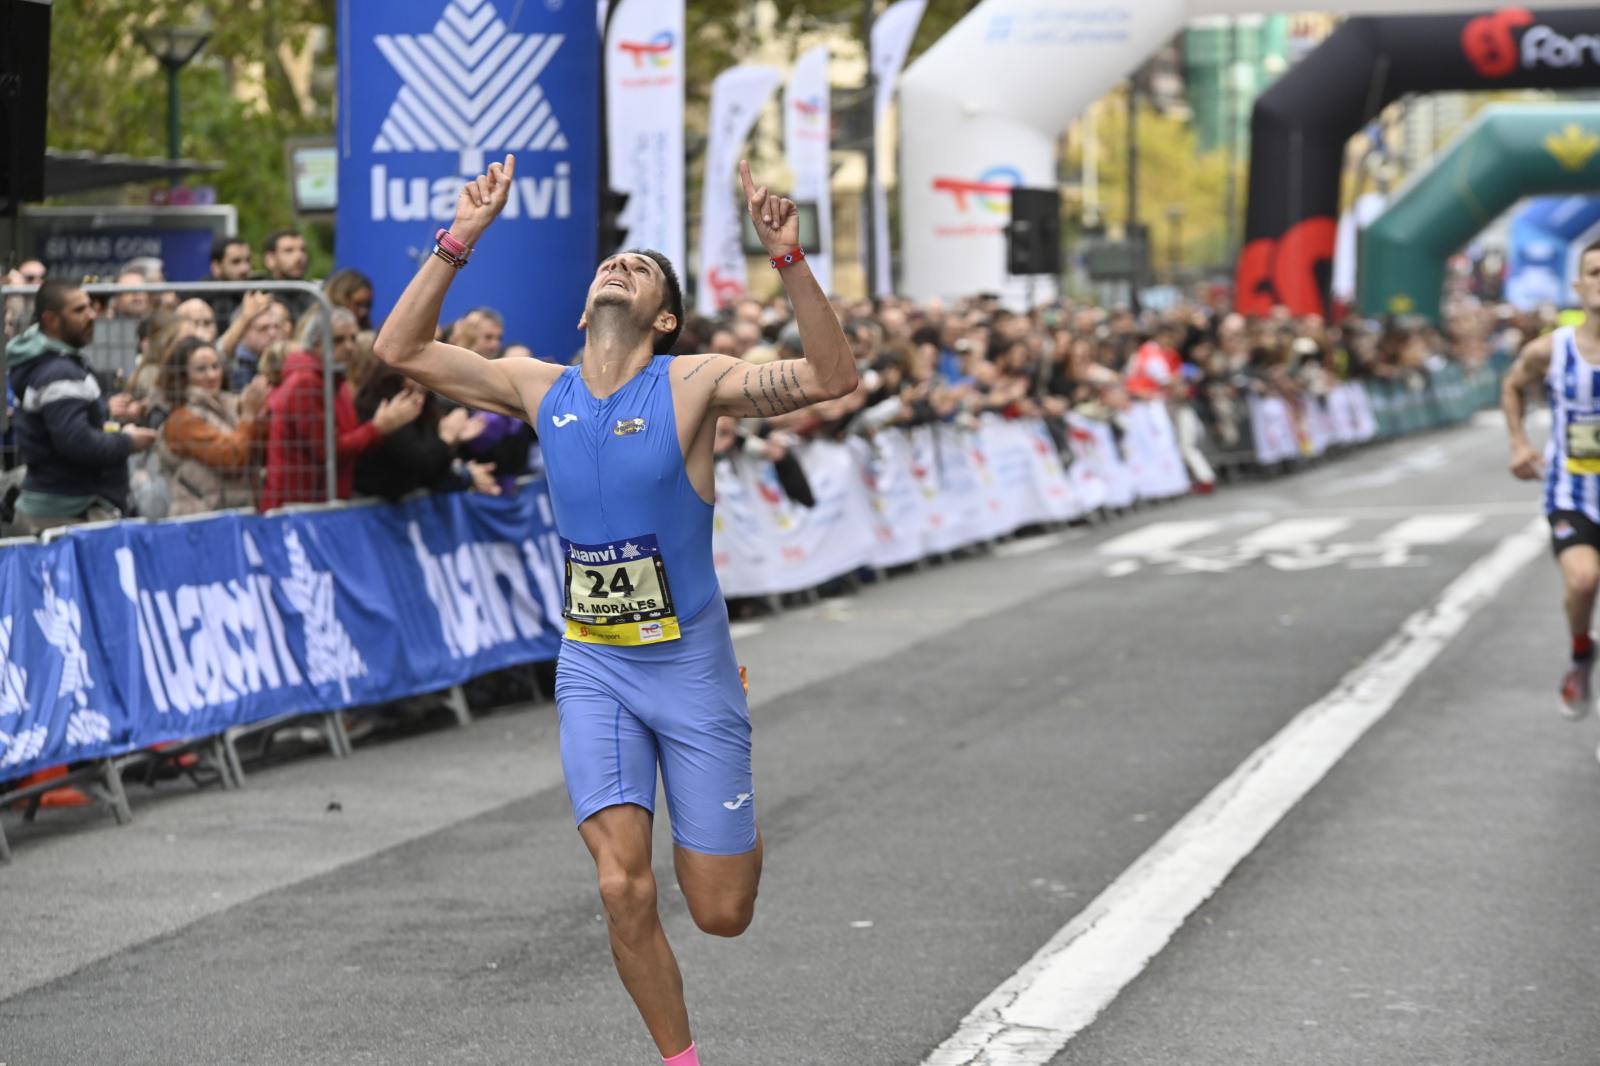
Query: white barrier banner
(739, 538)
(1272, 427)
(1061, 502)
(1020, 471)
(807, 137)
(1004, 484)
(960, 492)
(1094, 448)
(1151, 446)
(1318, 427)
(737, 96)
(899, 511)
(1342, 415)
(644, 120)
(764, 543)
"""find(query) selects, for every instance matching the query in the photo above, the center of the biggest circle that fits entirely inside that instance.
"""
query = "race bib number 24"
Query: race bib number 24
(617, 593)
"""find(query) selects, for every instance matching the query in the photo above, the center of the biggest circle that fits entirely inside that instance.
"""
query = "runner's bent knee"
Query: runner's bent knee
(726, 918)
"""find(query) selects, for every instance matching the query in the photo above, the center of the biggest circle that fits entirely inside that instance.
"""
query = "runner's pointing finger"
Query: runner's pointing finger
(749, 182)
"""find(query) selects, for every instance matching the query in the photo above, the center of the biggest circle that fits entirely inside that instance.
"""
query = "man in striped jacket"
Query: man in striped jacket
(77, 458)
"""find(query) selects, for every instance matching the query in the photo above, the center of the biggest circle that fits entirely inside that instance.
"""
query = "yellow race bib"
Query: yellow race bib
(1583, 447)
(617, 593)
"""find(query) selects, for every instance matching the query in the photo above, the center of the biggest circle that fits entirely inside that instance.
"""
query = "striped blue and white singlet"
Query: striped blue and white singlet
(1572, 458)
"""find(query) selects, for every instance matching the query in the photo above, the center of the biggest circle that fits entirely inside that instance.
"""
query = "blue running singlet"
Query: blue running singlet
(647, 673)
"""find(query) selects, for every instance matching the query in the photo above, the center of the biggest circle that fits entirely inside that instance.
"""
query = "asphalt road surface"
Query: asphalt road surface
(955, 769)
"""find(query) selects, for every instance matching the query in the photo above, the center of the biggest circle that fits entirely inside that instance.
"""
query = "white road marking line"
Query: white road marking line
(1432, 529)
(1293, 533)
(1159, 537)
(1514, 508)
(1064, 987)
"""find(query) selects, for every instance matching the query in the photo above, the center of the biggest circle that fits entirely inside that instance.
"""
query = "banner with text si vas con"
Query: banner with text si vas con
(117, 638)
(432, 91)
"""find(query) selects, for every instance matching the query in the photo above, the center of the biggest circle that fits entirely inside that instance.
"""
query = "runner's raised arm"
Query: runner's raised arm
(828, 370)
(407, 340)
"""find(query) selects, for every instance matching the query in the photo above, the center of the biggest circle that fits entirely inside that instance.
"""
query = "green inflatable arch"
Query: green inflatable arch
(1508, 152)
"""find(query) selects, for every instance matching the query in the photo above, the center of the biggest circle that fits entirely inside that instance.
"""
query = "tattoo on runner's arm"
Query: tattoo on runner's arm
(722, 375)
(751, 400)
(696, 370)
(764, 379)
(801, 389)
(771, 390)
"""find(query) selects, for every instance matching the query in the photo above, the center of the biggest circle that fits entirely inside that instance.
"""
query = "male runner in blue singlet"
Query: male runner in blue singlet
(646, 673)
(1567, 363)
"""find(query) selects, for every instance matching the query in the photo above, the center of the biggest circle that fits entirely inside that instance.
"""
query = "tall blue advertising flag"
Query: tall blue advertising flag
(432, 91)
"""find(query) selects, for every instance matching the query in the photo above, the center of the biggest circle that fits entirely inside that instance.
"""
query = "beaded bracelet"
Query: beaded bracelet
(789, 258)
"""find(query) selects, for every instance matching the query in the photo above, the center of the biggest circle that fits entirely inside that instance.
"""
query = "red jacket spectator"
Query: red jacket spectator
(1155, 366)
(296, 465)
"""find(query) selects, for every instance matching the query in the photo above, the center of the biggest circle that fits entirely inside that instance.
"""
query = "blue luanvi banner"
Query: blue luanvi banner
(431, 92)
(119, 637)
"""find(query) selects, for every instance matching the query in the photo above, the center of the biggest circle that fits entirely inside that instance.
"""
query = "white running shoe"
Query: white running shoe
(1576, 696)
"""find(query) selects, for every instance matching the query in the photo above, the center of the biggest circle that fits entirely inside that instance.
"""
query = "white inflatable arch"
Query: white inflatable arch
(984, 109)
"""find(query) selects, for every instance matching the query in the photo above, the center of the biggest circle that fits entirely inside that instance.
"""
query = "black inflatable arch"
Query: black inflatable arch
(1300, 125)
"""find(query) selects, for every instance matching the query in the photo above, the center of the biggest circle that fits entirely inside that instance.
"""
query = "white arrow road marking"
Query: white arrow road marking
(1159, 537)
(1432, 529)
(1293, 533)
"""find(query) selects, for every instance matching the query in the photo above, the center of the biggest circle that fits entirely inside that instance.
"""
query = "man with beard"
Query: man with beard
(77, 464)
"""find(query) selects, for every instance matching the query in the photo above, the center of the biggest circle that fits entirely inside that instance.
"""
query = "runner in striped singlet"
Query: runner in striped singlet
(1567, 363)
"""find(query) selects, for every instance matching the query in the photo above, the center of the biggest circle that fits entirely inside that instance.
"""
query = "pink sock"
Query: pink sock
(683, 1058)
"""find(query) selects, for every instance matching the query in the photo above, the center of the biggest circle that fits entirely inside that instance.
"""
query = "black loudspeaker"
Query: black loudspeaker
(24, 83)
(1033, 239)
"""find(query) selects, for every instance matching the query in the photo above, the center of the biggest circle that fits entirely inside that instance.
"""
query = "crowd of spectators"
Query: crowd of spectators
(157, 405)
(224, 402)
(934, 361)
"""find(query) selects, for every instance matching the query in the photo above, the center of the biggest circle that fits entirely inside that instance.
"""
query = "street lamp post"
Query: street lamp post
(870, 230)
(1175, 213)
(174, 47)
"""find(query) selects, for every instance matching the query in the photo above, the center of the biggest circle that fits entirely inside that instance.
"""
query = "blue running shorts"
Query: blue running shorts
(679, 703)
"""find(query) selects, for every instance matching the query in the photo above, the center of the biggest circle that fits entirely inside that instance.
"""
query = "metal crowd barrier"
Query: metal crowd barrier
(1451, 395)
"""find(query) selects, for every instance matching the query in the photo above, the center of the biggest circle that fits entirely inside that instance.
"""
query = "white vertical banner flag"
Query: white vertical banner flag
(892, 35)
(807, 140)
(645, 123)
(737, 96)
